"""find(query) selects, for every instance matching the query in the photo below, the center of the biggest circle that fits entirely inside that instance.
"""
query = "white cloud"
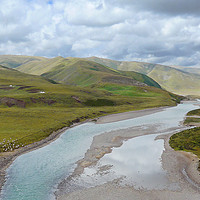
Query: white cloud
(142, 30)
(94, 13)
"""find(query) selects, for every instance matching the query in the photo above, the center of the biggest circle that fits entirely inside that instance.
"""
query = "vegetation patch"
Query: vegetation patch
(190, 120)
(194, 112)
(188, 140)
(99, 102)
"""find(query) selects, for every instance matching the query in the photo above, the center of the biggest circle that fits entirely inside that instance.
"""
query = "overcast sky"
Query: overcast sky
(156, 31)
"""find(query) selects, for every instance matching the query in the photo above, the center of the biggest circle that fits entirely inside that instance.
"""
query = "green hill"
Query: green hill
(77, 71)
(38, 67)
(73, 71)
(13, 61)
(84, 73)
(32, 107)
(171, 79)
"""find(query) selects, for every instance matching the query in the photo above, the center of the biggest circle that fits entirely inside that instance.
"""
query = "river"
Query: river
(36, 175)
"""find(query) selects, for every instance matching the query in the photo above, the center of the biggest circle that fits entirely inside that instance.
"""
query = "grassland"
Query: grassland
(32, 107)
(188, 140)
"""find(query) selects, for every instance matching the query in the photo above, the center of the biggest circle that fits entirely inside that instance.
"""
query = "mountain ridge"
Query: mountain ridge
(174, 80)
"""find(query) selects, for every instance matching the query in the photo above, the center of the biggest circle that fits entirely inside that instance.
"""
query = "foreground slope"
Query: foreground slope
(171, 79)
(32, 107)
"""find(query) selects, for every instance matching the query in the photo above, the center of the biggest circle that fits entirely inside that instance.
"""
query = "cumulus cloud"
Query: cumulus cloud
(166, 32)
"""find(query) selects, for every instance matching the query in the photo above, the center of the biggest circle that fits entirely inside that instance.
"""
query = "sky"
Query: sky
(156, 31)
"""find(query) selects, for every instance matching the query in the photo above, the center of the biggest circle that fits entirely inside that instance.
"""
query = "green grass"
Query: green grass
(26, 126)
(190, 120)
(194, 112)
(131, 91)
(188, 140)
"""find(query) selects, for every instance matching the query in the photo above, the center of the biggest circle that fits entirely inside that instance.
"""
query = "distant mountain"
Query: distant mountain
(193, 70)
(171, 79)
(77, 71)
(9, 76)
(86, 71)
(38, 67)
(13, 61)
(81, 72)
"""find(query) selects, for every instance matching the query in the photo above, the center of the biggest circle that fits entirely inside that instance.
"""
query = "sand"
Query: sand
(181, 167)
(128, 115)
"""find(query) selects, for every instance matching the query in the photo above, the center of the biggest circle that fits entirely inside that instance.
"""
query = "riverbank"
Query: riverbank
(128, 115)
(7, 158)
(181, 168)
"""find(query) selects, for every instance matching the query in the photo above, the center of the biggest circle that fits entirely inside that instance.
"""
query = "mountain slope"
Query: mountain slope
(13, 61)
(77, 71)
(171, 79)
(38, 67)
(84, 73)
(193, 70)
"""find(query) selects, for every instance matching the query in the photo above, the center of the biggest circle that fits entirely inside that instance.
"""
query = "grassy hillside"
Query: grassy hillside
(176, 81)
(171, 79)
(188, 140)
(75, 71)
(13, 61)
(32, 107)
(84, 73)
(38, 67)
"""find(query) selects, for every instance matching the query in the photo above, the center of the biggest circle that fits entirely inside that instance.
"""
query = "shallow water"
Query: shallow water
(35, 175)
(136, 163)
